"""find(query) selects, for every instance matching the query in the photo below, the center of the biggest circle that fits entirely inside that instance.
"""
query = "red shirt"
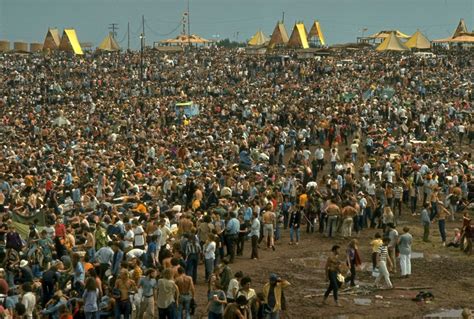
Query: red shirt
(60, 230)
(49, 185)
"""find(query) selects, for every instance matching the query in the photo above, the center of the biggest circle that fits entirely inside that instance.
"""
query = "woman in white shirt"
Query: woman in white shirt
(209, 255)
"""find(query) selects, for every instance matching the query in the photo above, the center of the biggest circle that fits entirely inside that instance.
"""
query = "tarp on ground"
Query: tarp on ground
(259, 38)
(24, 229)
(109, 44)
(298, 37)
(317, 33)
(70, 42)
(418, 41)
(392, 43)
(279, 36)
(40, 218)
(52, 39)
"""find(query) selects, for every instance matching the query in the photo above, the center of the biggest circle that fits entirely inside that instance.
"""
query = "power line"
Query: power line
(162, 34)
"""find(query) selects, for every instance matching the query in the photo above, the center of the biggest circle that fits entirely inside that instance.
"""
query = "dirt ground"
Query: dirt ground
(447, 272)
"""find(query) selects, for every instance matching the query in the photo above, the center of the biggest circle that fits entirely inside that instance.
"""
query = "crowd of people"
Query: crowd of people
(112, 199)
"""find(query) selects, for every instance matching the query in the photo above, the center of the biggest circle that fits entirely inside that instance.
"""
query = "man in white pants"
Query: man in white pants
(382, 261)
(404, 245)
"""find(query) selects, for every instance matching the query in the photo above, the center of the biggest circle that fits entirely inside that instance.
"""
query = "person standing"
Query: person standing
(168, 294)
(192, 250)
(254, 235)
(382, 262)
(91, 297)
(231, 232)
(375, 243)
(294, 223)
(332, 270)
(125, 285)
(28, 300)
(269, 224)
(392, 246)
(148, 285)
(353, 260)
(425, 220)
(186, 293)
(333, 212)
(209, 255)
(217, 302)
(441, 216)
(404, 245)
(272, 295)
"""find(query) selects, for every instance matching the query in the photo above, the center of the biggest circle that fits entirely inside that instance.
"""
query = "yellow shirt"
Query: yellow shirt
(303, 199)
(376, 243)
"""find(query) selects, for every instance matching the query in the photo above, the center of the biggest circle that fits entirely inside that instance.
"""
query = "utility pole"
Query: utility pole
(283, 17)
(113, 27)
(189, 23)
(128, 36)
(142, 46)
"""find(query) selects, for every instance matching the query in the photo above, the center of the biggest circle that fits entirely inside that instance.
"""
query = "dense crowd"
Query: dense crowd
(112, 197)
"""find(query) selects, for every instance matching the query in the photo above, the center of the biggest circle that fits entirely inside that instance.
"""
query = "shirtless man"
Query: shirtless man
(269, 224)
(333, 211)
(348, 213)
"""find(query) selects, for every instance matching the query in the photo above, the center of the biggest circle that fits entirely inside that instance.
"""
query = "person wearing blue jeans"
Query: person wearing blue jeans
(186, 294)
(441, 216)
(193, 249)
(332, 269)
(294, 223)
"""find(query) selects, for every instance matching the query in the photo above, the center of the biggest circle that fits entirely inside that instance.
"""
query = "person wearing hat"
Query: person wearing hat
(26, 274)
(272, 293)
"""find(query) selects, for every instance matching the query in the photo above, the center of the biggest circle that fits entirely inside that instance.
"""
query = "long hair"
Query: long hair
(91, 284)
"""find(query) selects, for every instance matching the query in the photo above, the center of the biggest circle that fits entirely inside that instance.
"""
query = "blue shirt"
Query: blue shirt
(233, 226)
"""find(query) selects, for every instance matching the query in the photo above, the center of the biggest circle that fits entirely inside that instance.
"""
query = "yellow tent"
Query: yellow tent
(279, 36)
(70, 43)
(386, 33)
(418, 41)
(392, 43)
(298, 37)
(52, 40)
(317, 33)
(109, 44)
(258, 39)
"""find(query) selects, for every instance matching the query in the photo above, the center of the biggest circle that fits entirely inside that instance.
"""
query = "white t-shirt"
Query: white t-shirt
(29, 301)
(128, 239)
(233, 285)
(138, 234)
(354, 148)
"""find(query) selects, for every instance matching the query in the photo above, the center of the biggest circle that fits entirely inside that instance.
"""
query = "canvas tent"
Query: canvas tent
(386, 33)
(279, 36)
(460, 35)
(259, 38)
(52, 40)
(418, 41)
(109, 44)
(184, 39)
(392, 43)
(461, 28)
(298, 37)
(316, 33)
(70, 43)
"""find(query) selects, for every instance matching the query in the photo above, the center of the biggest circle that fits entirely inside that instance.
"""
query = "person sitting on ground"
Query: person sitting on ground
(456, 241)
